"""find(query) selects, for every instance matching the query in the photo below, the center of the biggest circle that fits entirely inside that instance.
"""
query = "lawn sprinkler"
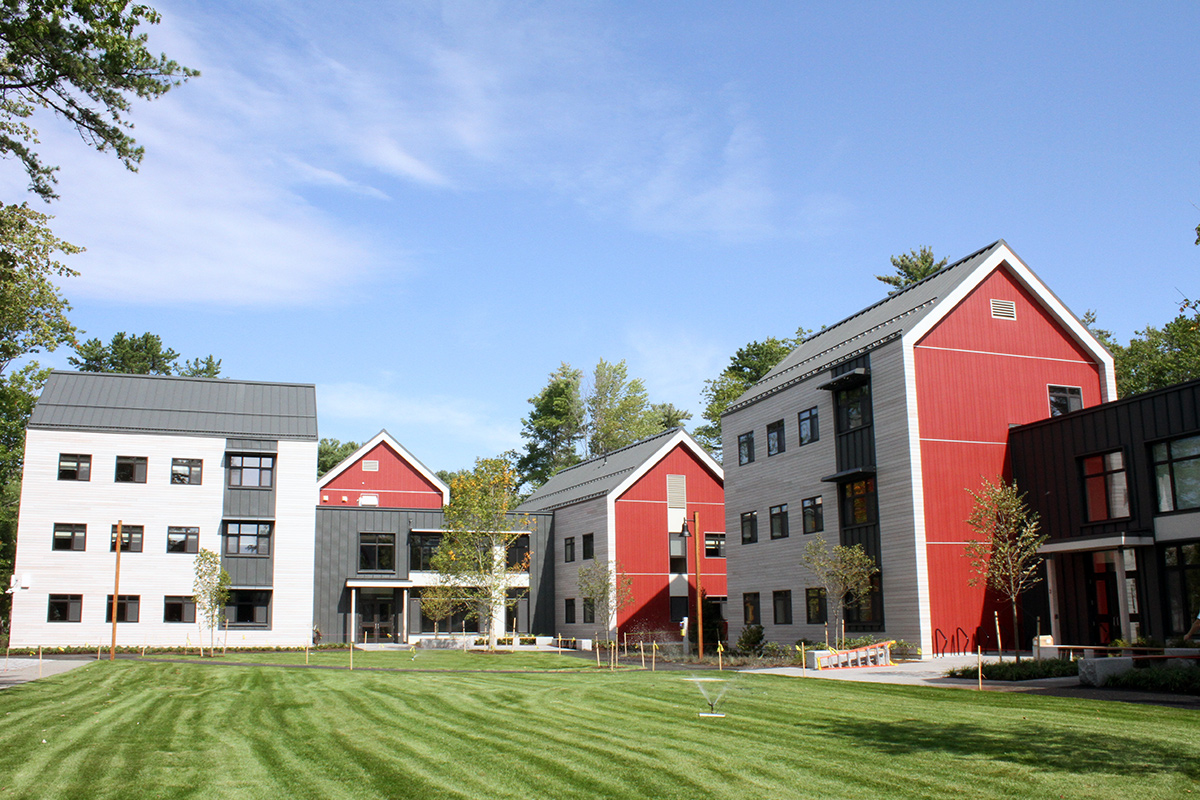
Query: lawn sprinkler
(713, 697)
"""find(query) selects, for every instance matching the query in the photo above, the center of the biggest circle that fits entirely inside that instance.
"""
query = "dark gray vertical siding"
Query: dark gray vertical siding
(249, 503)
(541, 574)
(250, 571)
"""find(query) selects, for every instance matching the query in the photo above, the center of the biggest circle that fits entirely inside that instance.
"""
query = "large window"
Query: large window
(69, 537)
(130, 469)
(1105, 486)
(779, 521)
(589, 610)
(65, 608)
(131, 539)
(814, 515)
(1177, 474)
(854, 407)
(377, 552)
(809, 429)
(1064, 399)
(746, 448)
(247, 538)
(256, 471)
(714, 545)
(569, 611)
(750, 609)
(783, 607)
(421, 547)
(249, 608)
(858, 502)
(749, 527)
(74, 467)
(179, 609)
(183, 540)
(679, 608)
(776, 440)
(186, 470)
(127, 608)
(1182, 562)
(518, 552)
(589, 546)
(814, 600)
(569, 549)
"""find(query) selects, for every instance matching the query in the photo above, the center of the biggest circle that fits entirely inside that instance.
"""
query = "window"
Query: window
(814, 514)
(814, 600)
(248, 608)
(72, 467)
(518, 552)
(186, 471)
(779, 522)
(256, 471)
(569, 549)
(783, 607)
(1182, 573)
(1105, 486)
(179, 609)
(677, 550)
(69, 537)
(1177, 474)
(421, 547)
(65, 608)
(377, 552)
(130, 469)
(679, 608)
(775, 439)
(750, 609)
(749, 527)
(589, 610)
(589, 546)
(247, 538)
(858, 502)
(746, 448)
(569, 611)
(1064, 399)
(854, 407)
(714, 545)
(127, 608)
(131, 539)
(183, 540)
(809, 430)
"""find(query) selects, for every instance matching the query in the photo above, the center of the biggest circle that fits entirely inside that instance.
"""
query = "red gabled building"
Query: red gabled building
(382, 473)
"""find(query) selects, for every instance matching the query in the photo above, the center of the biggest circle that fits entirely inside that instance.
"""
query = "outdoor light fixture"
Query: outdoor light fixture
(684, 533)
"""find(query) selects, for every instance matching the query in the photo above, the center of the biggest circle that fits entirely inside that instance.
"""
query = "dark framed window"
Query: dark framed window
(814, 514)
(746, 448)
(69, 536)
(65, 608)
(854, 407)
(589, 610)
(1106, 488)
(421, 547)
(187, 471)
(678, 608)
(779, 521)
(247, 538)
(377, 552)
(714, 545)
(677, 554)
(750, 609)
(1182, 573)
(569, 611)
(1177, 474)
(589, 546)
(867, 615)
(782, 600)
(130, 469)
(131, 539)
(1064, 399)
(518, 552)
(809, 429)
(776, 439)
(249, 608)
(749, 527)
(183, 540)
(74, 467)
(569, 549)
(179, 609)
(251, 471)
(814, 601)
(858, 502)
(127, 607)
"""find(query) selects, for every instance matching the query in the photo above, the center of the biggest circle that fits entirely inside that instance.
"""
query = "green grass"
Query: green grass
(199, 730)
(403, 659)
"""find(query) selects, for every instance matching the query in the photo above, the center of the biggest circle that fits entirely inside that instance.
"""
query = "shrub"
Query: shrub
(1024, 671)
(1166, 679)
(751, 642)
(775, 651)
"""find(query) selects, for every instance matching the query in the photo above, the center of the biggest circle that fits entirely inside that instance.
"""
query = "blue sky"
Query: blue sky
(424, 207)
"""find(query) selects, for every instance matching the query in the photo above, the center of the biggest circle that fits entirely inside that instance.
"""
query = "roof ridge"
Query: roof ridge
(642, 441)
(198, 378)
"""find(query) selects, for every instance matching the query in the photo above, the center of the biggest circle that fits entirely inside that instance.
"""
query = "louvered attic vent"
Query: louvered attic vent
(1004, 309)
(373, 466)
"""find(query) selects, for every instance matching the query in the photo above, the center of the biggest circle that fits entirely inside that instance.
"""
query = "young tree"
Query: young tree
(210, 590)
(845, 573)
(911, 267)
(553, 428)
(618, 408)
(609, 590)
(1006, 556)
(439, 602)
(331, 452)
(473, 555)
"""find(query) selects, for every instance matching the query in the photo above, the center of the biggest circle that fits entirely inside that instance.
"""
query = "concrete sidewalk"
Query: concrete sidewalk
(16, 671)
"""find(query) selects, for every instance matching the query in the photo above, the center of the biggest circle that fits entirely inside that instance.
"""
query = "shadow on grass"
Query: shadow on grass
(1033, 745)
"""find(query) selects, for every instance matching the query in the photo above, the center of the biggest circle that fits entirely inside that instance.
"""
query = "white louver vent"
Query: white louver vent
(1004, 309)
(676, 502)
(373, 466)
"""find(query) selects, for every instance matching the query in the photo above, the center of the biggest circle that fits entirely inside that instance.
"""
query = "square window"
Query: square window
(809, 429)
(679, 608)
(714, 545)
(73, 467)
(1065, 399)
(746, 448)
(858, 502)
(127, 608)
(131, 539)
(776, 441)
(130, 469)
(518, 553)
(69, 537)
(249, 608)
(814, 515)
(183, 540)
(815, 602)
(854, 408)
(783, 607)
(589, 610)
(1105, 486)
(569, 549)
(749, 527)
(251, 471)
(421, 547)
(779, 521)
(377, 552)
(750, 609)
(589, 547)
(186, 471)
(569, 611)
(247, 538)
(65, 608)
(179, 609)
(677, 554)
(1177, 474)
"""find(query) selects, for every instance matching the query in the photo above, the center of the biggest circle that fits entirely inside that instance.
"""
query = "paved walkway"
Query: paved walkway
(16, 671)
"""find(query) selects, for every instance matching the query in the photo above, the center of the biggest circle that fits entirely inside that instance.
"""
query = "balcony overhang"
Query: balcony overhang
(848, 475)
(847, 380)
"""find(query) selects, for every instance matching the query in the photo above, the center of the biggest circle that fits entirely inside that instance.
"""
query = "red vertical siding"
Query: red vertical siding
(398, 483)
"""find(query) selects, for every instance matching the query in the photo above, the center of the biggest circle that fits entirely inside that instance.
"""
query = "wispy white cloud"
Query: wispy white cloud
(674, 364)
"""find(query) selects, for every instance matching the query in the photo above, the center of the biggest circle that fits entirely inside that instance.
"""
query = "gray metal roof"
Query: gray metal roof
(595, 477)
(888, 319)
(99, 401)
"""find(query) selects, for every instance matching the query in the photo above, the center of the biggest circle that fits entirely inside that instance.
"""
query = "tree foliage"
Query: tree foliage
(618, 409)
(331, 452)
(210, 590)
(913, 266)
(139, 355)
(609, 589)
(1005, 557)
(439, 602)
(845, 573)
(84, 61)
(554, 427)
(1155, 358)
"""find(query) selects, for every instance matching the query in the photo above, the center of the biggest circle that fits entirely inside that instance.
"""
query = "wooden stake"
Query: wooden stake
(120, 540)
(999, 646)
(653, 656)
(642, 648)
(306, 654)
(352, 656)
(979, 668)
(39, 661)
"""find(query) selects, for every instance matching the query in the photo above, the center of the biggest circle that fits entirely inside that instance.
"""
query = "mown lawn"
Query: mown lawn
(145, 730)
(501, 660)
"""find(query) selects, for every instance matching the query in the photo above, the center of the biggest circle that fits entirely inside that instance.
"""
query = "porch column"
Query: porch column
(353, 616)
(404, 615)
(1123, 595)
(1052, 591)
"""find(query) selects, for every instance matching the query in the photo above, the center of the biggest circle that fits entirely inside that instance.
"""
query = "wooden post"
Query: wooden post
(642, 648)
(306, 654)
(653, 656)
(979, 666)
(352, 656)
(999, 646)
(39, 661)
(112, 652)
(699, 590)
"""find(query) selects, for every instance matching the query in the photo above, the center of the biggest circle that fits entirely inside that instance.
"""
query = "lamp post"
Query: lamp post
(685, 533)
